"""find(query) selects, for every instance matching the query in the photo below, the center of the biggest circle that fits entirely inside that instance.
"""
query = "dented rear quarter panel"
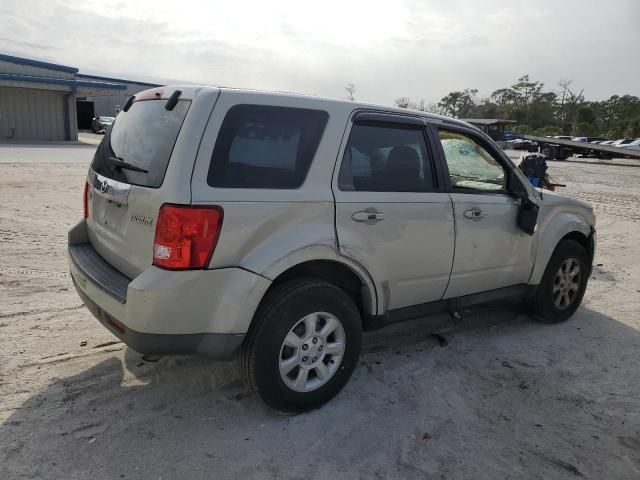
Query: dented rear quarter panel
(268, 231)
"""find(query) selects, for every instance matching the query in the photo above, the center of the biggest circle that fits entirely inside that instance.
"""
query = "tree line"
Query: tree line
(562, 111)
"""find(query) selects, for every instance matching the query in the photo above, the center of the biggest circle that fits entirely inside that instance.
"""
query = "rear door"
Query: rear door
(391, 214)
(491, 250)
(144, 160)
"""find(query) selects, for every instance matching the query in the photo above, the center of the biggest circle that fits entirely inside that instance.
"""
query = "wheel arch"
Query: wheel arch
(354, 280)
(563, 227)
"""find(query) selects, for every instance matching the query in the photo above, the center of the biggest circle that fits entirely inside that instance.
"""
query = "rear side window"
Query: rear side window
(143, 138)
(265, 147)
(386, 158)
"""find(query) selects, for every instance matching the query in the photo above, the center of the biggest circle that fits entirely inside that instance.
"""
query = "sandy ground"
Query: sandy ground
(505, 398)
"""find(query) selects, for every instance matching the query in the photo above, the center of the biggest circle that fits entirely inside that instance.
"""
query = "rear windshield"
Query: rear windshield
(265, 147)
(142, 137)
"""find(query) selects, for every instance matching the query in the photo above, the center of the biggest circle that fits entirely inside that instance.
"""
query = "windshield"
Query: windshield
(142, 137)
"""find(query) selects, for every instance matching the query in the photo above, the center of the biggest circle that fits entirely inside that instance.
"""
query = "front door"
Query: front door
(491, 251)
(391, 215)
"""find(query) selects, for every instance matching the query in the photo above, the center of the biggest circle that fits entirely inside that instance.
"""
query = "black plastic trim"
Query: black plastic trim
(94, 267)
(220, 346)
(388, 118)
(592, 248)
(427, 310)
(437, 159)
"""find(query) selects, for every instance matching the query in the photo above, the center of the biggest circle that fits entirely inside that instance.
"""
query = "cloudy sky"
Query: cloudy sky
(417, 48)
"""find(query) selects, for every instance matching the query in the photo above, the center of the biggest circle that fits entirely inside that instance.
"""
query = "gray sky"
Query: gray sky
(421, 49)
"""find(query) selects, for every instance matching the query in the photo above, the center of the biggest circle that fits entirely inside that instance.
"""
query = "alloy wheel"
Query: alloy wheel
(566, 284)
(312, 351)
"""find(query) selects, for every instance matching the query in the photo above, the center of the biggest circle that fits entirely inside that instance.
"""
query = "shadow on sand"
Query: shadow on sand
(506, 397)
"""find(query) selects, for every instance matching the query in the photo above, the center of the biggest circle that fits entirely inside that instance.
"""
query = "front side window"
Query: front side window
(385, 158)
(470, 165)
(265, 147)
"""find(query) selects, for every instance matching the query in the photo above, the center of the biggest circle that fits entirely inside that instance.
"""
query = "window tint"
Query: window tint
(385, 158)
(265, 147)
(143, 137)
(470, 165)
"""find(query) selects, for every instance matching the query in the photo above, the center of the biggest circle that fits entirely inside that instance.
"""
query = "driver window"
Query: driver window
(470, 165)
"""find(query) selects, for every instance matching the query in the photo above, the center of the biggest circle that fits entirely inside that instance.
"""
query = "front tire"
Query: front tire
(303, 345)
(563, 284)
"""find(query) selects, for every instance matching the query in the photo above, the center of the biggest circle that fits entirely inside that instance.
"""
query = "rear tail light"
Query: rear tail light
(85, 200)
(186, 236)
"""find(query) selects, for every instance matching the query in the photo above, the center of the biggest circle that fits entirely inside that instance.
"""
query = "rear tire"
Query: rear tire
(563, 284)
(288, 359)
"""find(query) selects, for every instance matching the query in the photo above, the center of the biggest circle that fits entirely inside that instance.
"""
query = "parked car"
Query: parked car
(509, 135)
(633, 145)
(588, 139)
(622, 142)
(521, 144)
(276, 228)
(101, 124)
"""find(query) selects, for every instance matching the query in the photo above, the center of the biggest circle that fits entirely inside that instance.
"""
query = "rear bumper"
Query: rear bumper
(204, 312)
(221, 346)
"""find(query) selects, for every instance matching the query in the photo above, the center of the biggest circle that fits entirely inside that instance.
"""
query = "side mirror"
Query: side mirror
(528, 216)
(528, 213)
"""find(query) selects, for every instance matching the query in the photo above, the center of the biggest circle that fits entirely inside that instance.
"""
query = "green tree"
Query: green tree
(526, 91)
(567, 102)
(543, 112)
(485, 109)
(549, 130)
(633, 128)
(406, 102)
(540, 112)
(403, 102)
(459, 104)
(616, 116)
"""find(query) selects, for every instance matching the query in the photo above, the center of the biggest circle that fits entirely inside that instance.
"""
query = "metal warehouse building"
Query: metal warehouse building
(45, 101)
(106, 105)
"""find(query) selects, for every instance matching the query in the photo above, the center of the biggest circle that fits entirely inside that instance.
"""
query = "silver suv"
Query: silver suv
(277, 228)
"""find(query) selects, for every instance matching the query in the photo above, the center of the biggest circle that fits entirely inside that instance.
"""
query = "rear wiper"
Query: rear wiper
(120, 164)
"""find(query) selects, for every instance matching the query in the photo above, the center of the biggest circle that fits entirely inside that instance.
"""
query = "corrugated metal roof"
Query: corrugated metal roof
(61, 81)
(118, 80)
(38, 63)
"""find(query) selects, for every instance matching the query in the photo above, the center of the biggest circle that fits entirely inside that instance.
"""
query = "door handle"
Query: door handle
(370, 215)
(475, 214)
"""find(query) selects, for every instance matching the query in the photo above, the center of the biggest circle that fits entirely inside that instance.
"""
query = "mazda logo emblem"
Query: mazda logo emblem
(104, 186)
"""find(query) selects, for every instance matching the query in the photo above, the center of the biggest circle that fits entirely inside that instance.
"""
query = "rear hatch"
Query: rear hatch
(144, 161)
